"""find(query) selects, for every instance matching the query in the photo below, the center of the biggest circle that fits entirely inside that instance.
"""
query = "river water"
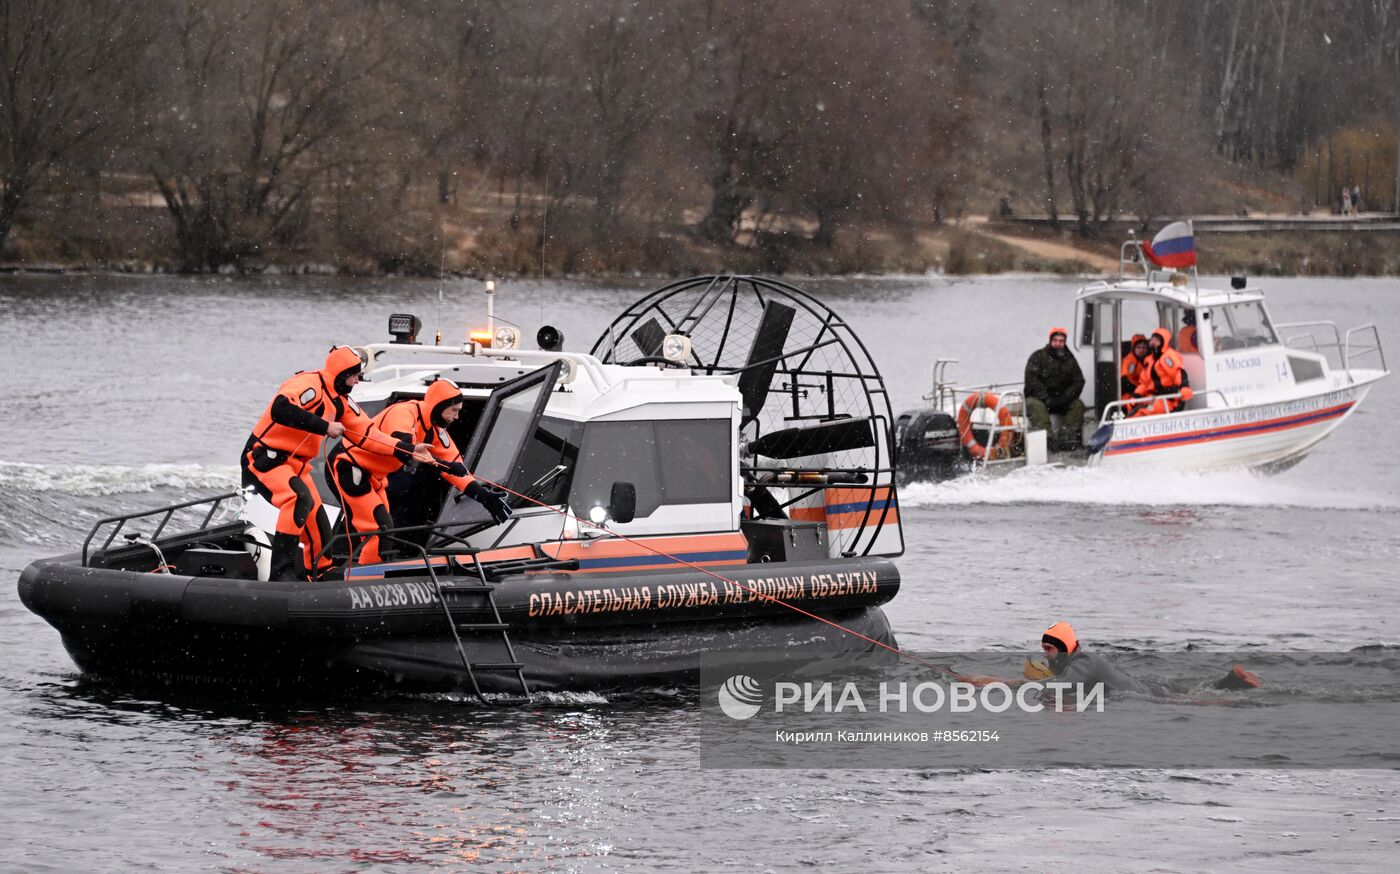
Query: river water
(129, 392)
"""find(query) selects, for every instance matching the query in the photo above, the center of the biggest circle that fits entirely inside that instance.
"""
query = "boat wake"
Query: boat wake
(100, 479)
(1156, 487)
(48, 503)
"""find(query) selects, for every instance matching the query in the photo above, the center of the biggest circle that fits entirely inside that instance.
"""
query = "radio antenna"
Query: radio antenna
(442, 272)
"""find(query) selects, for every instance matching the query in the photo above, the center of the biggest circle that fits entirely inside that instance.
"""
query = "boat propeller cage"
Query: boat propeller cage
(816, 415)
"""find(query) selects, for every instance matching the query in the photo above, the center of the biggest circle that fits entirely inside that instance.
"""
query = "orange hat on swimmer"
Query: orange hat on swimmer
(1061, 636)
(441, 395)
(341, 364)
(1061, 331)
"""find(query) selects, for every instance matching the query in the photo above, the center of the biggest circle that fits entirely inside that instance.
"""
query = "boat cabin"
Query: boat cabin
(642, 449)
(1231, 349)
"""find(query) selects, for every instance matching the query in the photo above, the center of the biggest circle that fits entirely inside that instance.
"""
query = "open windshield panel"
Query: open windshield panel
(507, 425)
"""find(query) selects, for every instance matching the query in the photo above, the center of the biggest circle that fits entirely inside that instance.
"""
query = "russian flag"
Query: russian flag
(1174, 246)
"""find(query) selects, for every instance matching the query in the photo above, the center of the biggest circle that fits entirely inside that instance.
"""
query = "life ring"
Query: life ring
(989, 401)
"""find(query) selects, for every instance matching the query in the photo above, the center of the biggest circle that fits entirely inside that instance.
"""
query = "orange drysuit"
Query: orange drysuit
(277, 457)
(360, 473)
(1130, 374)
(1166, 376)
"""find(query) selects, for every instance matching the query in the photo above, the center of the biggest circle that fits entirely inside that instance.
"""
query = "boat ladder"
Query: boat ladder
(481, 588)
(449, 593)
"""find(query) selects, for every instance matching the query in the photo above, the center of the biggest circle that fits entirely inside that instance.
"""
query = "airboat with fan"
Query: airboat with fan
(714, 478)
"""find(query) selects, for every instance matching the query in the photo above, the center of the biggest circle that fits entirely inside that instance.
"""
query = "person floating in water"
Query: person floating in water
(1067, 661)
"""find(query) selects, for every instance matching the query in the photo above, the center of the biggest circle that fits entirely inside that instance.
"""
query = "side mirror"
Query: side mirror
(622, 502)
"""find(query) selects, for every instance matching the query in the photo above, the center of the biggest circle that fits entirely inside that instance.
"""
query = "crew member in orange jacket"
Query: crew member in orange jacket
(276, 461)
(1186, 340)
(1134, 363)
(359, 473)
(1166, 376)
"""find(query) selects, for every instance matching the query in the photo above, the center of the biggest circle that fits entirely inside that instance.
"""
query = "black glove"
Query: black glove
(456, 468)
(494, 500)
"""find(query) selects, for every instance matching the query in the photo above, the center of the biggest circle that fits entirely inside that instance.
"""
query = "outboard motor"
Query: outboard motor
(927, 448)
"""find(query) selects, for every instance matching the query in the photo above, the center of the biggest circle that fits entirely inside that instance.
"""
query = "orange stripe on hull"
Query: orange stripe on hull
(613, 556)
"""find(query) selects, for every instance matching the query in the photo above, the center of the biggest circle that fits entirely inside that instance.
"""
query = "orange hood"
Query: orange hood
(340, 363)
(439, 396)
(1061, 636)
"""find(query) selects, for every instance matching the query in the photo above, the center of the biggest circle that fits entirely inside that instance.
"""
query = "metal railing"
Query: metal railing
(1346, 352)
(442, 357)
(167, 513)
(1121, 407)
(1374, 348)
(442, 543)
(948, 396)
(1011, 400)
(940, 380)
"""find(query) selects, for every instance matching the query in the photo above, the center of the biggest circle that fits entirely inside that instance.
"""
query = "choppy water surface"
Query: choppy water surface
(123, 393)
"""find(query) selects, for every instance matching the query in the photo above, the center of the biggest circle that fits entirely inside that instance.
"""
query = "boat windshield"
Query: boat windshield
(1241, 326)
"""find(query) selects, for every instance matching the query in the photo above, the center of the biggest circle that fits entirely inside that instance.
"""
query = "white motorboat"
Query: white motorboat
(1263, 394)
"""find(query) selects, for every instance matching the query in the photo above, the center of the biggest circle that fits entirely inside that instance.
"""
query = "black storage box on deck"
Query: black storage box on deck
(784, 539)
(236, 564)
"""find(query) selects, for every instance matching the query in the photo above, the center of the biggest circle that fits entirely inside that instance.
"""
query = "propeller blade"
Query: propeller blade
(834, 436)
(768, 343)
(649, 338)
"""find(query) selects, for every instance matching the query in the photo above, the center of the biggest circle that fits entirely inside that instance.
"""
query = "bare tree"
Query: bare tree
(833, 119)
(65, 68)
(630, 75)
(1112, 123)
(449, 66)
(740, 80)
(263, 97)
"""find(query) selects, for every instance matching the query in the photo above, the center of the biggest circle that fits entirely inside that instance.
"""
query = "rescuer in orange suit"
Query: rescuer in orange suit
(276, 461)
(1186, 340)
(1135, 362)
(1166, 376)
(360, 472)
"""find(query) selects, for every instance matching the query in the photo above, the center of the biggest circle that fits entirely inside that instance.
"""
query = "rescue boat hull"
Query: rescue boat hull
(1267, 436)
(571, 632)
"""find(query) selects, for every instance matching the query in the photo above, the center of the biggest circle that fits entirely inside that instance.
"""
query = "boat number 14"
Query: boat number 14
(1283, 371)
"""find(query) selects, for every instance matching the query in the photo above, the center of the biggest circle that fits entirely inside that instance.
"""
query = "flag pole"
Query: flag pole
(1195, 277)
